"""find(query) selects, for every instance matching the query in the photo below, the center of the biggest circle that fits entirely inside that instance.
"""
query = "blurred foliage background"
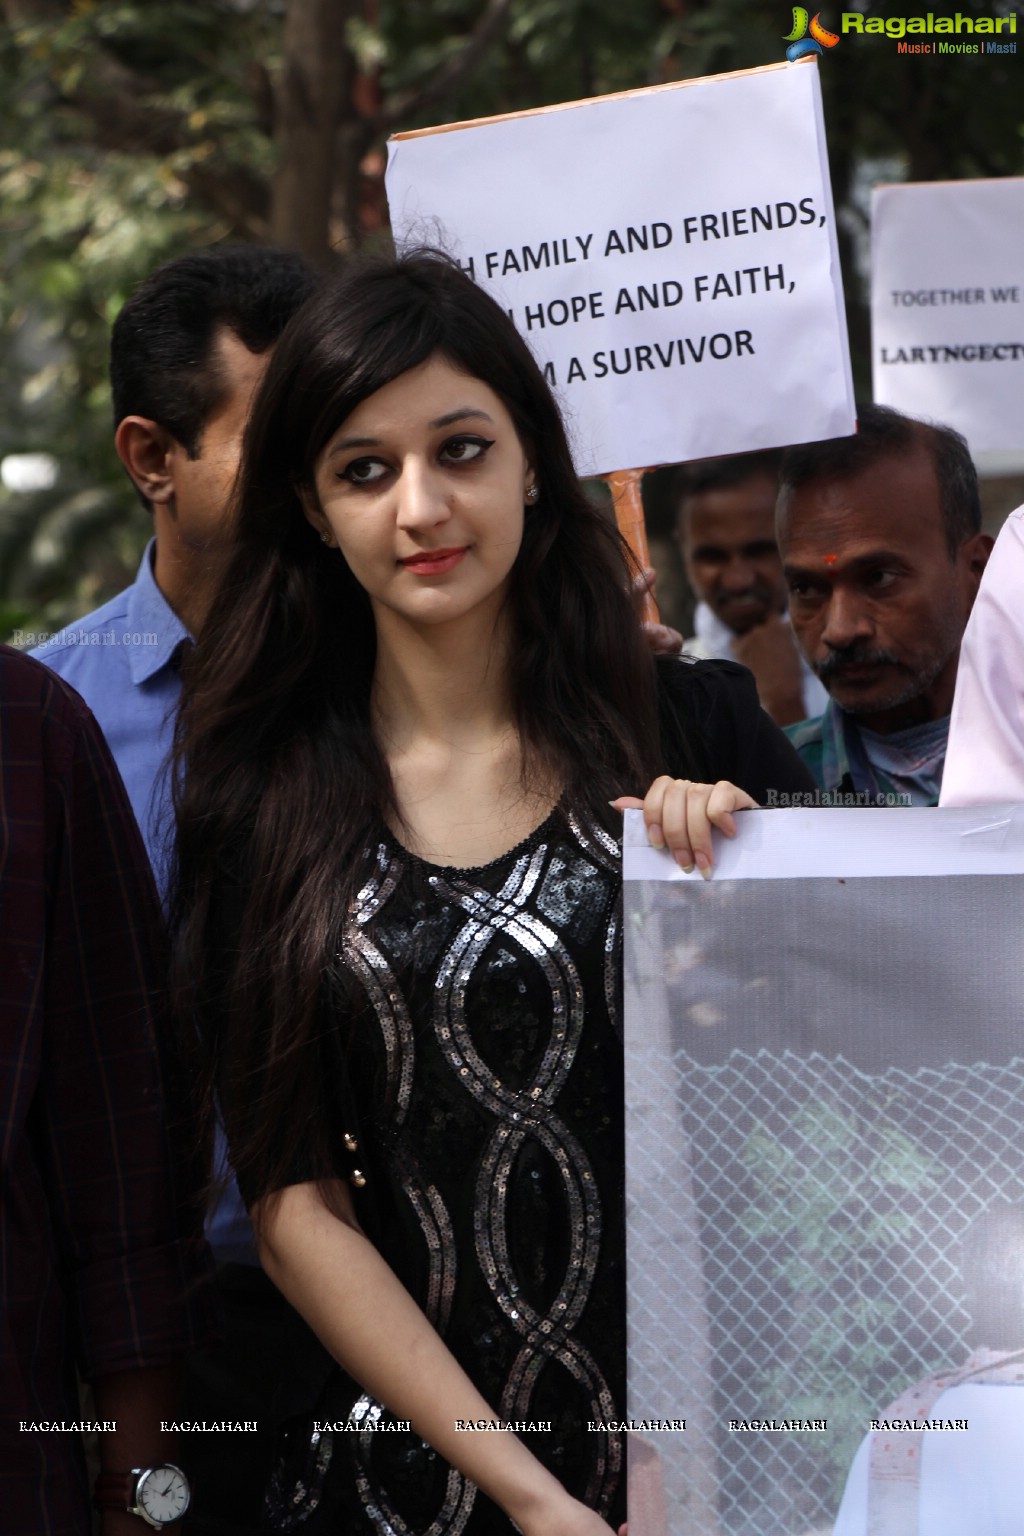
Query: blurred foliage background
(130, 133)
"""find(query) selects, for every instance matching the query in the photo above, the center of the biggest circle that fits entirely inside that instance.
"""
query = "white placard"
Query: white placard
(845, 842)
(947, 306)
(670, 255)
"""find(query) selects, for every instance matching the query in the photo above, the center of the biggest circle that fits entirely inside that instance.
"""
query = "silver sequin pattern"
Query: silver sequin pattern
(543, 888)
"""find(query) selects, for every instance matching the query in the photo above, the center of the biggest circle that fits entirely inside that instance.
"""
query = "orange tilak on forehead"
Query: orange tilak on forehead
(830, 559)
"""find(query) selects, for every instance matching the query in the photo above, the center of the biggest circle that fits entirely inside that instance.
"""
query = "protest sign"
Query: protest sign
(825, 1176)
(947, 306)
(669, 254)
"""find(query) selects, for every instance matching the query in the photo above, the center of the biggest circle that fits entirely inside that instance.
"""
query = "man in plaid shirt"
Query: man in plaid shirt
(101, 1257)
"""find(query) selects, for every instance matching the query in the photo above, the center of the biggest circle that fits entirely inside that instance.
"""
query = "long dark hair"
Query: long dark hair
(279, 783)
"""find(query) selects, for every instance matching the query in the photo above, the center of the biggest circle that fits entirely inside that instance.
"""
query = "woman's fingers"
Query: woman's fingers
(651, 805)
(654, 807)
(680, 813)
(703, 811)
(711, 806)
(676, 814)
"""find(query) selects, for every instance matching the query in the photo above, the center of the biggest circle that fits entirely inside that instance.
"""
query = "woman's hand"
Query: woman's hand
(680, 813)
(330, 1272)
(565, 1516)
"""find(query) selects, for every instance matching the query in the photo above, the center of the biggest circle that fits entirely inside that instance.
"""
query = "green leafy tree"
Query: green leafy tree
(135, 131)
(130, 132)
(836, 1201)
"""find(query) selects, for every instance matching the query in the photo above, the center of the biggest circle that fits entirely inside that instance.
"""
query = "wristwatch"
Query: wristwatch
(159, 1495)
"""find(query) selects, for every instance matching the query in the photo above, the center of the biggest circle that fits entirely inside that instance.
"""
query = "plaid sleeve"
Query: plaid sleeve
(124, 1193)
(808, 738)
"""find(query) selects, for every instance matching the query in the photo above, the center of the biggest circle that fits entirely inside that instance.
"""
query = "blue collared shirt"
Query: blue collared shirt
(124, 659)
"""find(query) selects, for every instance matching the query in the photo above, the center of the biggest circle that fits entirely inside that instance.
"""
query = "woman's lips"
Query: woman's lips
(433, 562)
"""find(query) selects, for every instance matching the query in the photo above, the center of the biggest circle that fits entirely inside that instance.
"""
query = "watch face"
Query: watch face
(162, 1494)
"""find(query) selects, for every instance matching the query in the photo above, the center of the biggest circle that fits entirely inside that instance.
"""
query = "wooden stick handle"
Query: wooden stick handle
(624, 485)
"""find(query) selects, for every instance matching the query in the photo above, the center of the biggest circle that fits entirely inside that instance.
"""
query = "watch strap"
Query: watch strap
(115, 1490)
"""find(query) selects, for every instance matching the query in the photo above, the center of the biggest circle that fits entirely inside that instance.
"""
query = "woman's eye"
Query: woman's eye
(364, 471)
(462, 450)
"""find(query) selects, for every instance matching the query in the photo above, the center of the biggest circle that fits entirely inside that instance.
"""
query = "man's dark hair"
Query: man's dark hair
(722, 474)
(881, 433)
(160, 347)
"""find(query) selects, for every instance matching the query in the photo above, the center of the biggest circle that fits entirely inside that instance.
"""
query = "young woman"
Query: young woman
(397, 907)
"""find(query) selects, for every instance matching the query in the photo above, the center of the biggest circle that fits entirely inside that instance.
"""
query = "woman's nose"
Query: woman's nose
(423, 497)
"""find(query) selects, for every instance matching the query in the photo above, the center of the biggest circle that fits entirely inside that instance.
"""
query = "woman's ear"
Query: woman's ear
(314, 516)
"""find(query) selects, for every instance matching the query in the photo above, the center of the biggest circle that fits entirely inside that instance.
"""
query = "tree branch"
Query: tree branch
(452, 73)
(313, 96)
(117, 102)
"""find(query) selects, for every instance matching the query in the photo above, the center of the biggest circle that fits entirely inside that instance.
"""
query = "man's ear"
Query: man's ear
(974, 555)
(147, 452)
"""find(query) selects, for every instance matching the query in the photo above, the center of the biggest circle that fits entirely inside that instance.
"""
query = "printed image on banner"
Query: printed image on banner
(825, 1176)
(669, 254)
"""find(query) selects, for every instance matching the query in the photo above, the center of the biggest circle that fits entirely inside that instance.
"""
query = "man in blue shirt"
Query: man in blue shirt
(188, 352)
(881, 544)
(124, 660)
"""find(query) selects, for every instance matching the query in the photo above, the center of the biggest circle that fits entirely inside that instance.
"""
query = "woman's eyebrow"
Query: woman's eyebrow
(461, 413)
(344, 443)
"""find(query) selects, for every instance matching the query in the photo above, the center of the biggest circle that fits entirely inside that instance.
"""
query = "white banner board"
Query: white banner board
(825, 1177)
(670, 255)
(947, 306)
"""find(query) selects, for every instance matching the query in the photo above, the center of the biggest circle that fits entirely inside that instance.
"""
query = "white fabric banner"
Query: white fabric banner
(670, 255)
(947, 306)
(825, 1177)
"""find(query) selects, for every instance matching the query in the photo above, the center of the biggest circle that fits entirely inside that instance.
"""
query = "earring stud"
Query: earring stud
(532, 491)
(325, 538)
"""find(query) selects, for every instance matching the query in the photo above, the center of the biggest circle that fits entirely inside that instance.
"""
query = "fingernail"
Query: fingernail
(656, 836)
(686, 868)
(704, 865)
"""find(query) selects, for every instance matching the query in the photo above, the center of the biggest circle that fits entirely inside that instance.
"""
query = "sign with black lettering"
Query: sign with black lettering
(669, 254)
(947, 305)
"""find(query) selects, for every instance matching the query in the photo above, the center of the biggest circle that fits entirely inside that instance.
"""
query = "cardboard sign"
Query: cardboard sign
(947, 306)
(825, 1176)
(669, 254)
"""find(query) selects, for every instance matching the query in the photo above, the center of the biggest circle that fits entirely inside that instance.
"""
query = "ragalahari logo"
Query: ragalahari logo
(800, 45)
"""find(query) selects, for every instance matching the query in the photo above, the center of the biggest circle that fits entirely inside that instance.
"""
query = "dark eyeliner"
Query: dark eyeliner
(346, 473)
(483, 443)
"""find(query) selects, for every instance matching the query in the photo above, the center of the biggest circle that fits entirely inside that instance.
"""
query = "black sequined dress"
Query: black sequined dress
(481, 1042)
(472, 1048)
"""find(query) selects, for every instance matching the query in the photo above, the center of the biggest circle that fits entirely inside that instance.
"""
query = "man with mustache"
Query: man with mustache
(725, 528)
(881, 543)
